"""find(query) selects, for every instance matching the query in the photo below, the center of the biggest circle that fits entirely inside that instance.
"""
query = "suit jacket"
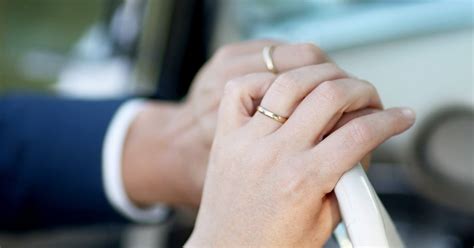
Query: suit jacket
(50, 161)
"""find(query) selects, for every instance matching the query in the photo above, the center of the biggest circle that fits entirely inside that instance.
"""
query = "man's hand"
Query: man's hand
(167, 147)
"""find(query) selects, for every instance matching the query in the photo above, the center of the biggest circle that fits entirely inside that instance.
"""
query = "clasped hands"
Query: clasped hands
(259, 182)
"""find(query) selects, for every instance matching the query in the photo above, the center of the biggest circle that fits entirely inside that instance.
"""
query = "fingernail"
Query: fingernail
(409, 114)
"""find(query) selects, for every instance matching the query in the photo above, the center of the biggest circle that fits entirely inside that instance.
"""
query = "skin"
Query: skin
(267, 184)
(166, 151)
(270, 184)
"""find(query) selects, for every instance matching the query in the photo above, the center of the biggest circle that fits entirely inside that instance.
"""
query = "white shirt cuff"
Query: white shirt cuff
(112, 167)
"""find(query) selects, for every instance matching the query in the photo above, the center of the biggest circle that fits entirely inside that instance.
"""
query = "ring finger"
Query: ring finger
(285, 57)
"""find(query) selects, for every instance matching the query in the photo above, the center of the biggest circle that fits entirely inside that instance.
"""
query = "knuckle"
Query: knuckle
(373, 92)
(224, 52)
(359, 132)
(372, 88)
(331, 91)
(285, 82)
(331, 67)
(311, 53)
(369, 86)
(233, 87)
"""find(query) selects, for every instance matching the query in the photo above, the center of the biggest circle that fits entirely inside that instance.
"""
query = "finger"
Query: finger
(344, 148)
(285, 57)
(329, 216)
(237, 105)
(321, 108)
(336, 123)
(348, 117)
(335, 214)
(289, 89)
(365, 161)
(243, 48)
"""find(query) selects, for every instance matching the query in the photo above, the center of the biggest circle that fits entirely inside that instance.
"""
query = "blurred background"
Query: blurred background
(417, 53)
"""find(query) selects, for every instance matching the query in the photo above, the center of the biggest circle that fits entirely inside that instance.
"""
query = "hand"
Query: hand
(269, 184)
(167, 147)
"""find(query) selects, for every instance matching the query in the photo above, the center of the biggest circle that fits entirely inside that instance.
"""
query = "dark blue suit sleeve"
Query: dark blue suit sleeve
(50, 162)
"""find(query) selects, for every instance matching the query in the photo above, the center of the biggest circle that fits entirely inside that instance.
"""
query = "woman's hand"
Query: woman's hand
(167, 148)
(269, 184)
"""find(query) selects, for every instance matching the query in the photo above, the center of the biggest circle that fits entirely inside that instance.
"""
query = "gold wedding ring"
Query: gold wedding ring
(267, 53)
(271, 115)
